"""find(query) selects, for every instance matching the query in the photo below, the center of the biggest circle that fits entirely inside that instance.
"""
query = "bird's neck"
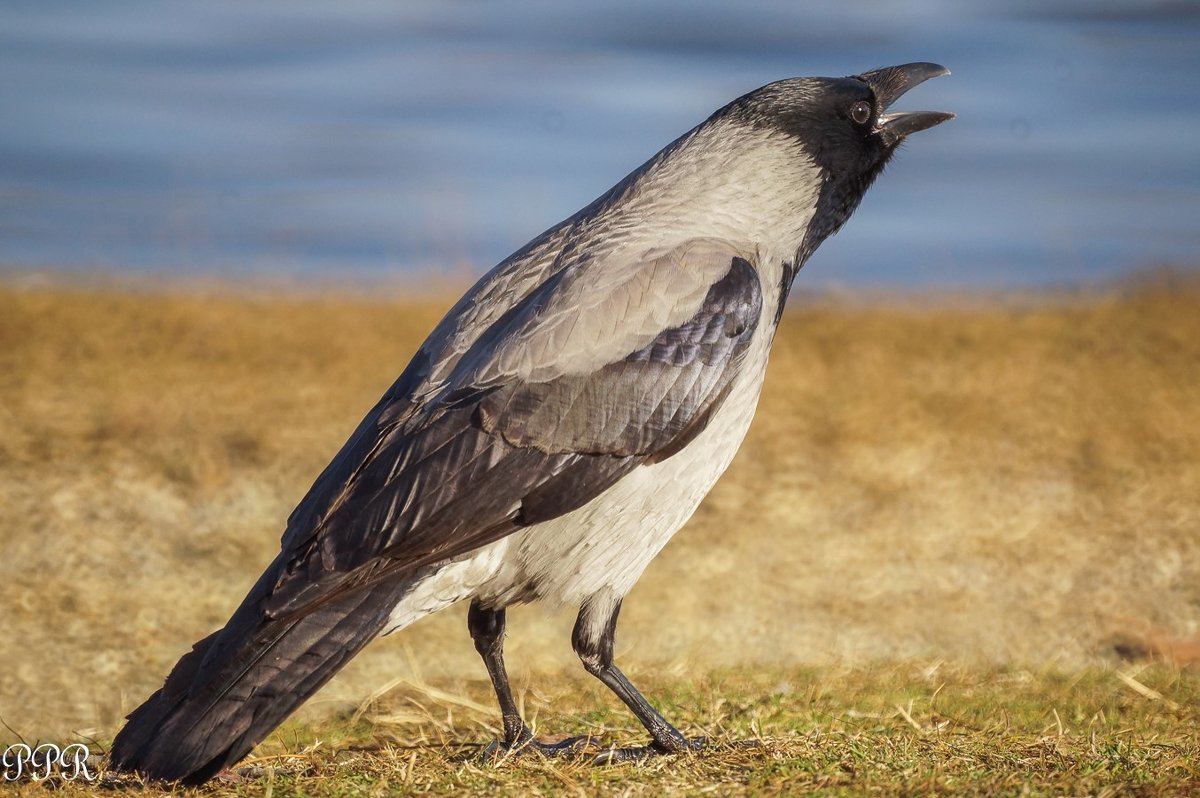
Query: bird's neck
(754, 187)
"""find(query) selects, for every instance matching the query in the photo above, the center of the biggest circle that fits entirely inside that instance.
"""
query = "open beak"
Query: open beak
(891, 82)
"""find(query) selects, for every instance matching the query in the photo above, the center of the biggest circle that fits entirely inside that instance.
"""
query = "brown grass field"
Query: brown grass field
(958, 553)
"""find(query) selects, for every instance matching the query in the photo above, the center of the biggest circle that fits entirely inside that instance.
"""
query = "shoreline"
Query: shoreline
(399, 287)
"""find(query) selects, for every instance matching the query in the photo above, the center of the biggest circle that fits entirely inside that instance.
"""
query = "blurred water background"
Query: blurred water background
(360, 140)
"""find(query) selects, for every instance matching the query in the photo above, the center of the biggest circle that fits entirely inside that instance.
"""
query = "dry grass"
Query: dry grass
(1000, 484)
(896, 731)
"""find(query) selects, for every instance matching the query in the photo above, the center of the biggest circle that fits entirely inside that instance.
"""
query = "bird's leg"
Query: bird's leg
(487, 632)
(595, 632)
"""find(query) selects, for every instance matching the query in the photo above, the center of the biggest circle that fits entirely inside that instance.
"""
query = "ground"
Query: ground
(1002, 492)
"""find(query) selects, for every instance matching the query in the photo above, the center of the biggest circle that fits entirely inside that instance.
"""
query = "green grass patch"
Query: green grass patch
(904, 730)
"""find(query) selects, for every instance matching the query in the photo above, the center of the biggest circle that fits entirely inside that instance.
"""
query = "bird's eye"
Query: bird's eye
(860, 112)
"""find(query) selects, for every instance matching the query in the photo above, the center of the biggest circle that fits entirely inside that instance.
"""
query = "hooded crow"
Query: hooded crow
(554, 431)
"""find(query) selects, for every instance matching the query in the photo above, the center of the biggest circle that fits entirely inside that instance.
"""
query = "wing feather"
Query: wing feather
(436, 471)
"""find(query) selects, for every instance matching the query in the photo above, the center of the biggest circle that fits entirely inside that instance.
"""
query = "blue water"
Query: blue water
(432, 138)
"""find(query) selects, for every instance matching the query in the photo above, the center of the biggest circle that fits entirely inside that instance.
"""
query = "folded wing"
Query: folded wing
(550, 404)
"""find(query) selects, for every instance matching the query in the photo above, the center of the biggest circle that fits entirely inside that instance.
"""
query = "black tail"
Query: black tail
(239, 683)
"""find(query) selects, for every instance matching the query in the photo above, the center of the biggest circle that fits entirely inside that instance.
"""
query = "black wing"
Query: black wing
(421, 484)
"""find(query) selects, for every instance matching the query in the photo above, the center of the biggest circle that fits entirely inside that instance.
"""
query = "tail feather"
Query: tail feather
(238, 684)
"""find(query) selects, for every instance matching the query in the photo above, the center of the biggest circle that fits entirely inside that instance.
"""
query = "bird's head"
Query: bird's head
(844, 127)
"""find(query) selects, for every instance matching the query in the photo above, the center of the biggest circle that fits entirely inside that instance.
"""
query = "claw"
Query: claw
(615, 756)
(571, 746)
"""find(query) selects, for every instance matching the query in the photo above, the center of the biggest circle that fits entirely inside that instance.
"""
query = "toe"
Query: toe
(569, 746)
(615, 756)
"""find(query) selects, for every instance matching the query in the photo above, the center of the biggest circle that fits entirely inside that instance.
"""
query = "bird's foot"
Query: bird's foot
(570, 746)
(671, 745)
(680, 745)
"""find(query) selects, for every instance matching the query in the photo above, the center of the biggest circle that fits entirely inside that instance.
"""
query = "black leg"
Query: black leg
(595, 631)
(487, 631)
